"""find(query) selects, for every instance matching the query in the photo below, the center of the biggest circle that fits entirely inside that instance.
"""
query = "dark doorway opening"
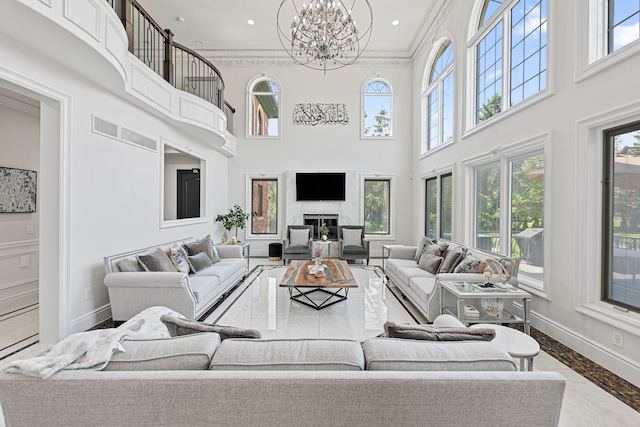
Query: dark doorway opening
(188, 193)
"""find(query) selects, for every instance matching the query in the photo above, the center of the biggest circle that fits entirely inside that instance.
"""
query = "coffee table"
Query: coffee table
(337, 278)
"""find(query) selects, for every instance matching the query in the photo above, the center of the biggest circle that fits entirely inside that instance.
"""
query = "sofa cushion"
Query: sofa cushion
(423, 286)
(199, 261)
(178, 326)
(397, 354)
(289, 354)
(203, 245)
(225, 269)
(178, 257)
(128, 265)
(438, 333)
(430, 262)
(156, 260)
(191, 352)
(203, 287)
(299, 237)
(452, 257)
(469, 264)
(352, 237)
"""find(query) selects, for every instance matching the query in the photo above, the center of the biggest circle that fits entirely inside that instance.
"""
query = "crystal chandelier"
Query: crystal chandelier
(323, 35)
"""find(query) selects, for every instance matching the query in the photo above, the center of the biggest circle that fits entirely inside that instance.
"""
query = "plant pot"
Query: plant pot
(234, 241)
(324, 237)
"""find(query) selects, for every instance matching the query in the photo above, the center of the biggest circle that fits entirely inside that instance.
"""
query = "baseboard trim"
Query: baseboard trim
(605, 357)
(91, 319)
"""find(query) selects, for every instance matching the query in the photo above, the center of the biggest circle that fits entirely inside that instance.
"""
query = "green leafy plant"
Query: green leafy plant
(235, 218)
(324, 230)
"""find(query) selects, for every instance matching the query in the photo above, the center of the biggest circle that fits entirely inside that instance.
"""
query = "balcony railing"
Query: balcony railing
(183, 68)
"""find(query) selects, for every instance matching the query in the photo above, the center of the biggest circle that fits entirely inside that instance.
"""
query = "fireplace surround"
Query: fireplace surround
(331, 220)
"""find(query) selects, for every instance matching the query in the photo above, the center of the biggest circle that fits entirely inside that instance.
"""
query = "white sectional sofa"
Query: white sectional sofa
(192, 293)
(201, 380)
(418, 285)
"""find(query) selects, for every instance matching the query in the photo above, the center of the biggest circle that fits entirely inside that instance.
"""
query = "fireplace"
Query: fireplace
(317, 219)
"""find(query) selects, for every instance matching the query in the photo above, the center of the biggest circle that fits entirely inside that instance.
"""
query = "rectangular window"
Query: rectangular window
(527, 214)
(488, 208)
(623, 24)
(446, 208)
(621, 217)
(447, 108)
(264, 202)
(431, 208)
(433, 119)
(377, 206)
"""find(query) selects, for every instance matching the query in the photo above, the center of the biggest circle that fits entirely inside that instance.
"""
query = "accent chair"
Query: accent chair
(298, 244)
(352, 243)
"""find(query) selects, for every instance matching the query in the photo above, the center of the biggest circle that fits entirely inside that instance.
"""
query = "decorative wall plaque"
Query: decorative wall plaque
(320, 114)
(17, 190)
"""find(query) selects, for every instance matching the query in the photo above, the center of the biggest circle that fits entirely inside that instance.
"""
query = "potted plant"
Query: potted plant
(235, 218)
(324, 231)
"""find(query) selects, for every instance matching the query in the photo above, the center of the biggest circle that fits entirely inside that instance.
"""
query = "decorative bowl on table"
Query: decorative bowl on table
(492, 306)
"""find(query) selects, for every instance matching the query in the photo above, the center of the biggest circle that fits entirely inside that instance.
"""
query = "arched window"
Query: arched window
(263, 107)
(502, 82)
(377, 109)
(437, 99)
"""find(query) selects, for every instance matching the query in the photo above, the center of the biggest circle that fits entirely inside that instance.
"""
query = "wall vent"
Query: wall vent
(105, 127)
(136, 138)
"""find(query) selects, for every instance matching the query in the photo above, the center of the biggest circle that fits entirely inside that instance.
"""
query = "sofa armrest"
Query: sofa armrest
(229, 251)
(401, 251)
(146, 279)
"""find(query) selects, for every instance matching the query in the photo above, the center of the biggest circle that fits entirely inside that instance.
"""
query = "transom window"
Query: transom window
(523, 73)
(438, 100)
(377, 102)
(621, 213)
(264, 108)
(623, 23)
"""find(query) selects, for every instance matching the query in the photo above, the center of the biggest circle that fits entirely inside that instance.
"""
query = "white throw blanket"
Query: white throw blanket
(93, 349)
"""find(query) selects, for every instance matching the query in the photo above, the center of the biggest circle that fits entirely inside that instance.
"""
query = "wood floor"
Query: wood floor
(19, 330)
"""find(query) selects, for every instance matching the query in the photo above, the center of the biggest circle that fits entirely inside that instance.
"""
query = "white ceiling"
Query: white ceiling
(219, 28)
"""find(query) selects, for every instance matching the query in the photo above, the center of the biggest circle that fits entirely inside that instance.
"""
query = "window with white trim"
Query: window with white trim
(377, 109)
(623, 23)
(263, 107)
(521, 26)
(438, 98)
(377, 206)
(438, 206)
(264, 205)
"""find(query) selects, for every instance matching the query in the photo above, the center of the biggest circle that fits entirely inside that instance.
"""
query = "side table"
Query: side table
(514, 342)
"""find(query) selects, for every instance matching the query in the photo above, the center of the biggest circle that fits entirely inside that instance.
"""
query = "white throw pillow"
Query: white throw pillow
(299, 237)
(352, 236)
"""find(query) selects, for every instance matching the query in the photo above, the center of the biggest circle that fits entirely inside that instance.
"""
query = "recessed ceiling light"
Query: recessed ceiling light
(180, 18)
(395, 22)
(251, 22)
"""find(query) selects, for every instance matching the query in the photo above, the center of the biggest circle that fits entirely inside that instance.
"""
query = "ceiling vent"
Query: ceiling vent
(136, 138)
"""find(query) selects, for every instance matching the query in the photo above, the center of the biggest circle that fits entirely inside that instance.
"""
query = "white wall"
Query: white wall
(19, 232)
(326, 148)
(563, 311)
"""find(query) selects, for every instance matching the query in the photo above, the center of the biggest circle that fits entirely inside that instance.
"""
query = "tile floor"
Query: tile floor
(267, 307)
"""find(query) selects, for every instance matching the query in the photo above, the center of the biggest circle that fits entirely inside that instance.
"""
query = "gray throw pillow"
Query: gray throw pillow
(199, 261)
(468, 265)
(125, 265)
(424, 242)
(434, 333)
(430, 262)
(452, 258)
(436, 249)
(203, 245)
(158, 260)
(177, 326)
(299, 237)
(352, 237)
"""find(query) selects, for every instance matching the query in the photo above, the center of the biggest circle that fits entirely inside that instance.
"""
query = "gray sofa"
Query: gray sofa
(402, 267)
(197, 380)
(192, 294)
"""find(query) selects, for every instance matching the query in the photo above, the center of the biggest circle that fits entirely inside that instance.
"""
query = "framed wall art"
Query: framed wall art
(17, 190)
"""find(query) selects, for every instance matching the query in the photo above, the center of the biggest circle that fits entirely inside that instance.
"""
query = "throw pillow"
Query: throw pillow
(436, 249)
(203, 245)
(452, 257)
(430, 262)
(352, 236)
(125, 265)
(299, 237)
(177, 326)
(199, 261)
(179, 258)
(468, 265)
(157, 260)
(434, 333)
(424, 242)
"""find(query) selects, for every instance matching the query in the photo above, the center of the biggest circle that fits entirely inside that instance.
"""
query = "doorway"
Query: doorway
(188, 193)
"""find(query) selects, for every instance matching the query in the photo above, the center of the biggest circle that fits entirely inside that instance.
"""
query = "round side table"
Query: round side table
(514, 342)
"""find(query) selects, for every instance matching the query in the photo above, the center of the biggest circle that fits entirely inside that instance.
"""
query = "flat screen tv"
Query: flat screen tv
(320, 186)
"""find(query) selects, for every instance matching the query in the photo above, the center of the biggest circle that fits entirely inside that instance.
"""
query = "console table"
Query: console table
(462, 292)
